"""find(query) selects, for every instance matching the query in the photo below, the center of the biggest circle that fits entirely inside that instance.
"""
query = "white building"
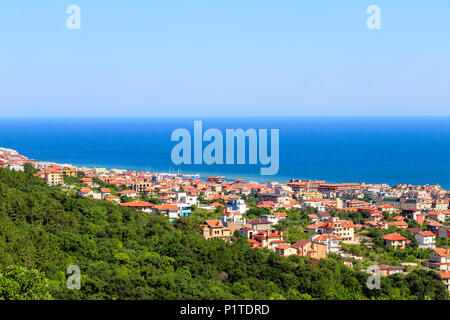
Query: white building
(426, 240)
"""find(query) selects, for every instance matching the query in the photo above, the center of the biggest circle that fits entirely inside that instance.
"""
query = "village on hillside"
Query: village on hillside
(397, 228)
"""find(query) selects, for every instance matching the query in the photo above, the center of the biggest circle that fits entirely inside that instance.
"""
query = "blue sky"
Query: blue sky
(208, 58)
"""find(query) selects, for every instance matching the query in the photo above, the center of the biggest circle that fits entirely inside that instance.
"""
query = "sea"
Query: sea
(392, 150)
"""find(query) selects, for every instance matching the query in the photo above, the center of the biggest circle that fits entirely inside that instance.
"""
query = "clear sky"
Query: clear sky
(231, 57)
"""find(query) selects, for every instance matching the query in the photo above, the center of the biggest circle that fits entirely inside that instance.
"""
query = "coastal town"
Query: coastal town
(397, 228)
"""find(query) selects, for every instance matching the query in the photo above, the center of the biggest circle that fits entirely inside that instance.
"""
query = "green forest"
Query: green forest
(124, 254)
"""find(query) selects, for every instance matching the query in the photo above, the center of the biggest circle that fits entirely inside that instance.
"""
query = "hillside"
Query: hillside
(124, 254)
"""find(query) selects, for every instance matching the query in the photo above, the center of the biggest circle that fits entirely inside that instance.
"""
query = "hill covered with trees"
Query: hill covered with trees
(124, 254)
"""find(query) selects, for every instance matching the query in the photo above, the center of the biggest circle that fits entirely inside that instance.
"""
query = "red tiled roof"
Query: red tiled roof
(394, 237)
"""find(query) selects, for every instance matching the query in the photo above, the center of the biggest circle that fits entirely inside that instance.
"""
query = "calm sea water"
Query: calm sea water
(374, 150)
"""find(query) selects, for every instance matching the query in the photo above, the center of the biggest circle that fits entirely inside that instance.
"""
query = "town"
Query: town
(398, 228)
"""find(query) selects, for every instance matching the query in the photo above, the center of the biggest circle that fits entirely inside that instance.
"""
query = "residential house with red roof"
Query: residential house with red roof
(344, 229)
(332, 242)
(310, 249)
(439, 259)
(426, 239)
(214, 229)
(395, 240)
(139, 205)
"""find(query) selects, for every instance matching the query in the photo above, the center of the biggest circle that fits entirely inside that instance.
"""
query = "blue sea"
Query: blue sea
(414, 150)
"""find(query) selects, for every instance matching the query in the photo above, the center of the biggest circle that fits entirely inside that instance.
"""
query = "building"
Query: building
(54, 178)
(105, 192)
(439, 260)
(266, 239)
(310, 249)
(128, 193)
(396, 240)
(85, 192)
(344, 229)
(285, 250)
(446, 279)
(169, 210)
(444, 231)
(70, 171)
(214, 229)
(275, 217)
(139, 205)
(426, 239)
(236, 205)
(259, 224)
(386, 270)
(331, 242)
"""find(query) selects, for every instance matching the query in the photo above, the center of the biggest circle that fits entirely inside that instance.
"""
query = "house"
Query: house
(310, 249)
(399, 224)
(169, 210)
(54, 178)
(275, 217)
(440, 216)
(185, 210)
(434, 226)
(395, 240)
(266, 239)
(105, 192)
(313, 218)
(331, 242)
(187, 199)
(445, 276)
(128, 193)
(439, 260)
(234, 217)
(285, 250)
(87, 181)
(314, 228)
(259, 224)
(236, 205)
(115, 199)
(139, 205)
(70, 172)
(426, 239)
(386, 270)
(85, 192)
(323, 215)
(444, 231)
(341, 228)
(214, 229)
(376, 216)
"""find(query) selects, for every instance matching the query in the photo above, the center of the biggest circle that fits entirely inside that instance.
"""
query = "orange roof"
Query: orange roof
(427, 234)
(137, 204)
(398, 223)
(214, 223)
(126, 192)
(85, 190)
(442, 252)
(217, 204)
(394, 237)
(167, 207)
(282, 246)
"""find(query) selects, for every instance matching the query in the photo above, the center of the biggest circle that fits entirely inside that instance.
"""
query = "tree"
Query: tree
(19, 283)
(29, 169)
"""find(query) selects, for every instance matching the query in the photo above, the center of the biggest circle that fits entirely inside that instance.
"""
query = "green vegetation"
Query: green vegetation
(18, 283)
(124, 254)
